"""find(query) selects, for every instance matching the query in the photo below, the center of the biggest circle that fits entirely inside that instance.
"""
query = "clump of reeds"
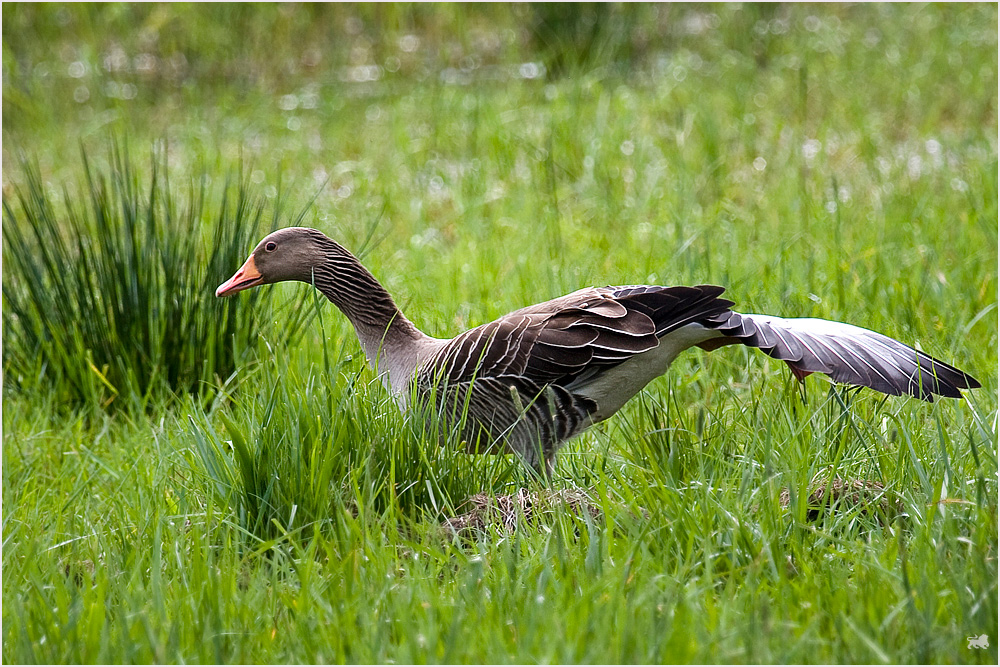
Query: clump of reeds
(108, 294)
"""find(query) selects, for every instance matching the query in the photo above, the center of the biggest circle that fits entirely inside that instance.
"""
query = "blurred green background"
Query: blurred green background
(228, 76)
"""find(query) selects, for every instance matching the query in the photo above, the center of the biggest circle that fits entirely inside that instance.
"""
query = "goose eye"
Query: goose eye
(270, 246)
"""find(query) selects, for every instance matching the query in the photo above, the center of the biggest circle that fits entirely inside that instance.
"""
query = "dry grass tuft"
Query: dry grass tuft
(843, 495)
(504, 513)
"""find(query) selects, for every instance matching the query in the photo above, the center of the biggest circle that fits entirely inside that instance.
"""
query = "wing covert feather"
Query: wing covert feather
(593, 328)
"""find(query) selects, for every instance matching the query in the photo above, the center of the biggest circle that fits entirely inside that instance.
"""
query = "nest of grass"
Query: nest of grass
(867, 497)
(505, 513)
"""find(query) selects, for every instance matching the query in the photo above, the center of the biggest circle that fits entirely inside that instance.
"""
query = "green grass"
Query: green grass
(110, 302)
(821, 161)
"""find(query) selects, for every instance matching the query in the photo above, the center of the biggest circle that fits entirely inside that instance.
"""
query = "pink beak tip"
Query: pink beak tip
(221, 289)
(239, 280)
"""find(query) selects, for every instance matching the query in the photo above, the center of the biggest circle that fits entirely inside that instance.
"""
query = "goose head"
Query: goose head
(292, 253)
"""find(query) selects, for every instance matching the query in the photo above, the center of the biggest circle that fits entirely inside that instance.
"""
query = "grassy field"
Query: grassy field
(255, 497)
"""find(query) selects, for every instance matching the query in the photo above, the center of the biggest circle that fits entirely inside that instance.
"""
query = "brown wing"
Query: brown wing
(586, 331)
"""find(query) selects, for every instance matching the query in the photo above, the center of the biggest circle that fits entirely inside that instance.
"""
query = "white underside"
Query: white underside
(615, 387)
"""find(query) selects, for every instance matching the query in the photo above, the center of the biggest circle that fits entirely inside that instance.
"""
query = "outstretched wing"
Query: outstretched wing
(844, 352)
(586, 334)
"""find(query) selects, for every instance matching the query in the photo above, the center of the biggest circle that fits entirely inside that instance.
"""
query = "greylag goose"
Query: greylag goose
(540, 375)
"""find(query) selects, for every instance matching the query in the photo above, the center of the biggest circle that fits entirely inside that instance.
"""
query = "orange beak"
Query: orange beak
(247, 276)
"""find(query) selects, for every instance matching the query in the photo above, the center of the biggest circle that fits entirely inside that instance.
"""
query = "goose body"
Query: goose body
(538, 376)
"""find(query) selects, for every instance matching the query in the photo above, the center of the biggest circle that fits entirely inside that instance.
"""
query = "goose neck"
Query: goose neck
(387, 337)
